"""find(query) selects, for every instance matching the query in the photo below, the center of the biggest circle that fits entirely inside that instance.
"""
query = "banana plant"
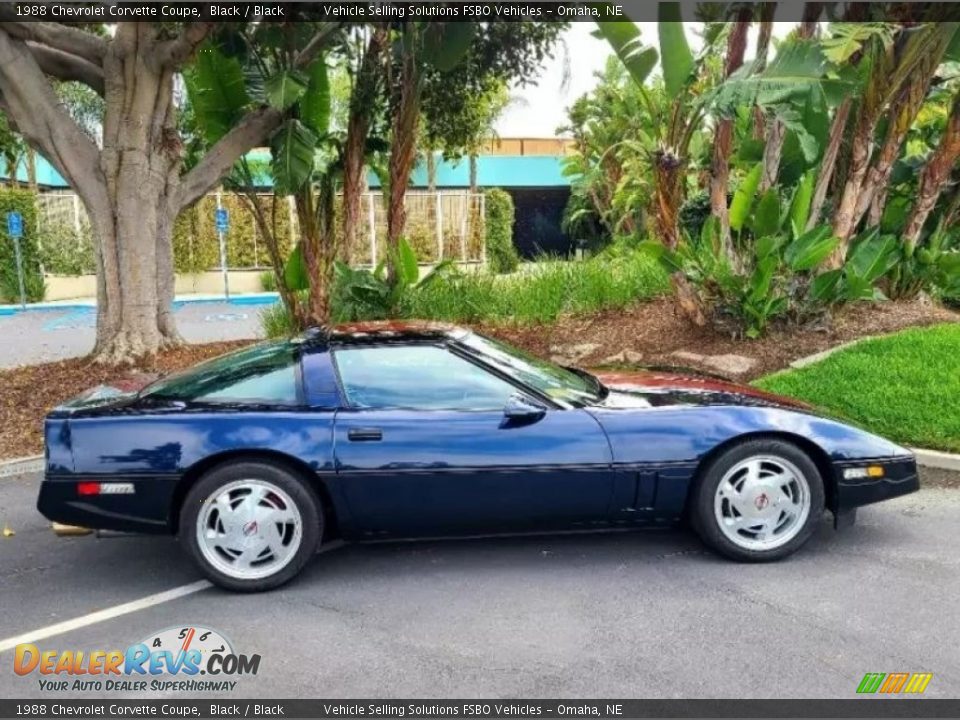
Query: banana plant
(248, 67)
(789, 80)
(362, 293)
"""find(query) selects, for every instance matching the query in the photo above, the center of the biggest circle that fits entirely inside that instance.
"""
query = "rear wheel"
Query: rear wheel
(251, 525)
(759, 500)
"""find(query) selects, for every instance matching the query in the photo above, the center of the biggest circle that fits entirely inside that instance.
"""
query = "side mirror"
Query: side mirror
(521, 408)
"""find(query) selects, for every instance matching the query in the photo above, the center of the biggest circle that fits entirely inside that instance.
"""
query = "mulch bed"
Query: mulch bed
(656, 331)
(652, 329)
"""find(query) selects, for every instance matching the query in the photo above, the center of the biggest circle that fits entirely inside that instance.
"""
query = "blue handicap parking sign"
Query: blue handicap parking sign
(222, 219)
(14, 224)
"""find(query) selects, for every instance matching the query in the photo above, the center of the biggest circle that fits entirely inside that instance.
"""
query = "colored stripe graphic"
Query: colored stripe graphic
(871, 682)
(918, 682)
(893, 683)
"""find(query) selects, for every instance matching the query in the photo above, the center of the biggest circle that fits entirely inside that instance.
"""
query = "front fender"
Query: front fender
(657, 435)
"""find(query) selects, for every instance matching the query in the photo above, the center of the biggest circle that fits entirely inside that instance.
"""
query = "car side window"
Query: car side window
(263, 374)
(418, 377)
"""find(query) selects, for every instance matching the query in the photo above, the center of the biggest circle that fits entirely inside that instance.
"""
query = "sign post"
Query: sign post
(15, 231)
(222, 218)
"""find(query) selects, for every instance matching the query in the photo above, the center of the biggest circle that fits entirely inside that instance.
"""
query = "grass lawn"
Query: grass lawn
(904, 386)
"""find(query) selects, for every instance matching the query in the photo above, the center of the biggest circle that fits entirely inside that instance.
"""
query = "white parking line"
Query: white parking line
(101, 615)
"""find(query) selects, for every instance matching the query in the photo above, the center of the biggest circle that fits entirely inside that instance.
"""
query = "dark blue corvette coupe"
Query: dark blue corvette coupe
(378, 431)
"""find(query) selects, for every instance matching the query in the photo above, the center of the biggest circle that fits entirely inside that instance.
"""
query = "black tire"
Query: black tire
(303, 497)
(701, 507)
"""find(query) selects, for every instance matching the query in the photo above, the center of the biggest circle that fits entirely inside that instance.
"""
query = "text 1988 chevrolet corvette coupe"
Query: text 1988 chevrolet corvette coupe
(389, 430)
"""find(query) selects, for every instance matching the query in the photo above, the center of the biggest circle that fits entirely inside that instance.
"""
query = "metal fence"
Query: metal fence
(444, 225)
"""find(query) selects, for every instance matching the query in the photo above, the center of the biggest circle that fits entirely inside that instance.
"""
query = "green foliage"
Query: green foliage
(25, 202)
(676, 56)
(364, 294)
(624, 37)
(268, 281)
(284, 88)
(772, 272)
(610, 169)
(65, 251)
(933, 267)
(446, 43)
(218, 92)
(292, 152)
(196, 246)
(502, 255)
(541, 293)
(795, 74)
(317, 101)
(898, 386)
(744, 196)
(276, 320)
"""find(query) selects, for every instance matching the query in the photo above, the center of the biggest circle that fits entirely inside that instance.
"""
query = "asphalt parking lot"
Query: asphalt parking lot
(628, 615)
(37, 336)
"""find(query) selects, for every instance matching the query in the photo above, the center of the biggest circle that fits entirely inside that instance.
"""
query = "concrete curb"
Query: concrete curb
(824, 354)
(937, 459)
(18, 466)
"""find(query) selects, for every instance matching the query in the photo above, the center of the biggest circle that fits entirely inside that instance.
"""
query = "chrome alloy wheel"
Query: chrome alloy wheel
(762, 502)
(249, 529)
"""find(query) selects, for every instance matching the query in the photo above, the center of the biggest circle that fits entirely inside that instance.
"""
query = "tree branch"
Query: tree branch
(64, 66)
(253, 129)
(174, 53)
(29, 100)
(316, 44)
(59, 37)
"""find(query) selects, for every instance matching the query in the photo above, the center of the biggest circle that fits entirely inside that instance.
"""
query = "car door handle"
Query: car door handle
(364, 434)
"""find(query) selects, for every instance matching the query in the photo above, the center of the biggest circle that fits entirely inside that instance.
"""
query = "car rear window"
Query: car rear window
(262, 374)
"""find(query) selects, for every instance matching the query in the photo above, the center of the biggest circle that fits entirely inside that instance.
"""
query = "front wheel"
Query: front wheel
(251, 526)
(760, 500)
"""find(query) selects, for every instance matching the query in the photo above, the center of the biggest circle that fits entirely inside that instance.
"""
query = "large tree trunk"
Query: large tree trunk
(315, 210)
(431, 171)
(935, 173)
(403, 146)
(873, 194)
(902, 113)
(474, 188)
(892, 70)
(764, 35)
(668, 173)
(141, 164)
(132, 189)
(723, 136)
(32, 170)
(829, 162)
(777, 132)
(362, 102)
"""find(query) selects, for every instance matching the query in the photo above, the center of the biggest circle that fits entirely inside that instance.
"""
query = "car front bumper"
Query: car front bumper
(900, 477)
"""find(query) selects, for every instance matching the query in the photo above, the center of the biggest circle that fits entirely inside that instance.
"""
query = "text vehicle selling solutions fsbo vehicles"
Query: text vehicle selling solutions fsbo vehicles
(407, 430)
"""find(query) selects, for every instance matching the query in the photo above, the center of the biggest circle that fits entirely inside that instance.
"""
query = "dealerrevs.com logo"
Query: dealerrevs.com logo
(171, 660)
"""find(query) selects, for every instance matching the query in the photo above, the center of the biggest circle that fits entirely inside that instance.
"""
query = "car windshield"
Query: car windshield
(264, 373)
(577, 388)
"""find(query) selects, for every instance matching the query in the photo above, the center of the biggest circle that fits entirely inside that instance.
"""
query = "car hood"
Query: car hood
(654, 387)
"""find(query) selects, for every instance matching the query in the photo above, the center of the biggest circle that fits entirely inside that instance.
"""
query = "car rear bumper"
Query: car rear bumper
(900, 477)
(146, 510)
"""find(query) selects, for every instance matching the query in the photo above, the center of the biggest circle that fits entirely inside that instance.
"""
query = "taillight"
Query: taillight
(105, 488)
